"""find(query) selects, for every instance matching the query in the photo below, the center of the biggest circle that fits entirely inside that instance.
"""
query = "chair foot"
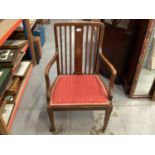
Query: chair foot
(103, 130)
(51, 118)
(52, 129)
(106, 119)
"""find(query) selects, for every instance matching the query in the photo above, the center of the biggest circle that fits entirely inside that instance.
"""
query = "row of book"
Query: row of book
(12, 89)
(12, 73)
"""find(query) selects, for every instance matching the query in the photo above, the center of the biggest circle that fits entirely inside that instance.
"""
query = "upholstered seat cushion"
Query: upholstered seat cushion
(78, 90)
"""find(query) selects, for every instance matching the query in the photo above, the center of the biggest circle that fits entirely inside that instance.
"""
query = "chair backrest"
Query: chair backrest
(77, 44)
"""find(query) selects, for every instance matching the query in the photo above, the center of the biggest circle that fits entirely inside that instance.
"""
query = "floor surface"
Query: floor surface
(129, 116)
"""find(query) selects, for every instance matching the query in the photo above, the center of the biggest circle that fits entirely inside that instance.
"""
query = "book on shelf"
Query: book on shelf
(6, 114)
(14, 44)
(2, 106)
(7, 99)
(9, 58)
(5, 76)
(7, 107)
(22, 69)
(14, 86)
(19, 57)
(7, 55)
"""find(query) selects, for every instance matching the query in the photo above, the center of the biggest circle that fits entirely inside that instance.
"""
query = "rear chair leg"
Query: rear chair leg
(51, 118)
(106, 118)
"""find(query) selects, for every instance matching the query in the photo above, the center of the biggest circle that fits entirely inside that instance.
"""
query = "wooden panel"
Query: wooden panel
(78, 49)
(117, 46)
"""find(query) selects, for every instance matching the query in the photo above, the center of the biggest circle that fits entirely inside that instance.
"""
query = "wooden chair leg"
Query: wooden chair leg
(51, 118)
(106, 118)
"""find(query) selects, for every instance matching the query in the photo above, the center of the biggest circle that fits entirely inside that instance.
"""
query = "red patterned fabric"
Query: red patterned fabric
(79, 90)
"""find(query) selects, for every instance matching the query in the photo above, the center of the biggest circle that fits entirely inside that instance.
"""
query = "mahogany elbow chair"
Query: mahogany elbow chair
(78, 85)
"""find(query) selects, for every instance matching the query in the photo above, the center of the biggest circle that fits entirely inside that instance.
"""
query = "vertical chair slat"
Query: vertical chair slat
(78, 49)
(61, 50)
(100, 40)
(57, 49)
(56, 38)
(86, 44)
(96, 47)
(65, 50)
(86, 36)
(91, 46)
(70, 49)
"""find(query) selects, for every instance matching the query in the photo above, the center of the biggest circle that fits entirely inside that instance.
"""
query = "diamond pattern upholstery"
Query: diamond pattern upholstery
(79, 90)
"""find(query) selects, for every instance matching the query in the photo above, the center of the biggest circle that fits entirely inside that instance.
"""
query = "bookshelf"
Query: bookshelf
(19, 96)
(7, 27)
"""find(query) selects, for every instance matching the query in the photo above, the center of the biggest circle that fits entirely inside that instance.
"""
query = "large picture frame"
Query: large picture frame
(141, 61)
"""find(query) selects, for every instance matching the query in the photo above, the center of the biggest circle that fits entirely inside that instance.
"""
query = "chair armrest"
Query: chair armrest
(113, 73)
(47, 79)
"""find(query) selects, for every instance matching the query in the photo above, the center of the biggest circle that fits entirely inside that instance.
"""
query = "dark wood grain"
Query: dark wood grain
(61, 50)
(78, 49)
(97, 30)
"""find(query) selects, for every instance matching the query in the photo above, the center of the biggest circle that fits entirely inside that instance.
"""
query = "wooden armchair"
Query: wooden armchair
(78, 85)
